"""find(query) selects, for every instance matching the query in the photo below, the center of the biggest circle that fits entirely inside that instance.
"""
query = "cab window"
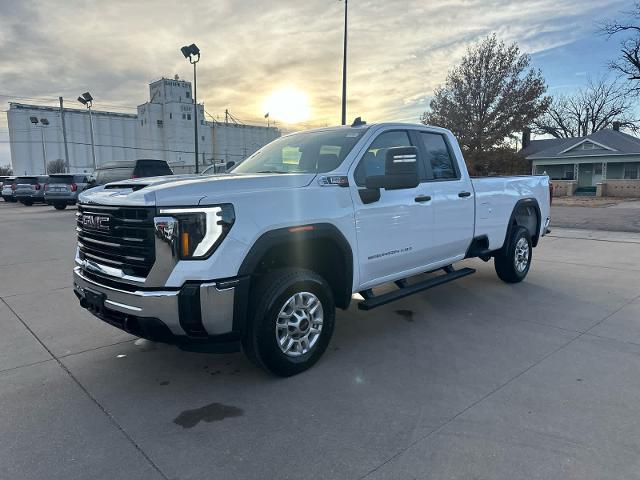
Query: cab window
(438, 156)
(373, 161)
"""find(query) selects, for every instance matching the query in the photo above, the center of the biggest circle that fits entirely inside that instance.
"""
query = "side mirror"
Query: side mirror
(400, 170)
(230, 164)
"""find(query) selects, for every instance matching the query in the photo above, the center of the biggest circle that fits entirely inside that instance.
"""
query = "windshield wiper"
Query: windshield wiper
(273, 171)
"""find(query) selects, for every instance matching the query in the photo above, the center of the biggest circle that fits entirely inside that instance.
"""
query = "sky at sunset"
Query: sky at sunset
(400, 50)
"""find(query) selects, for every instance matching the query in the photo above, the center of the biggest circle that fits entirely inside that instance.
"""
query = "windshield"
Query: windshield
(305, 152)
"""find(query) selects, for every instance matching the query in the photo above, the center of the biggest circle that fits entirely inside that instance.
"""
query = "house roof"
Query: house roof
(606, 142)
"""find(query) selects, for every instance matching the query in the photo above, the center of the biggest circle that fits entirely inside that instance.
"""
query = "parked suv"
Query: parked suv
(63, 189)
(30, 190)
(116, 171)
(8, 189)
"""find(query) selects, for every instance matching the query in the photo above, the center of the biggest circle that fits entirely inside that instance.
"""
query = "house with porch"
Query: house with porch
(605, 163)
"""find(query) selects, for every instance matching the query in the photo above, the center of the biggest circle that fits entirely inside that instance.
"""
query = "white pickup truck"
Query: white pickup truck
(259, 258)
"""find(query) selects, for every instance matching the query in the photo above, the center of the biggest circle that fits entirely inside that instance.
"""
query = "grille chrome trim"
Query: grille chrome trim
(125, 250)
(108, 271)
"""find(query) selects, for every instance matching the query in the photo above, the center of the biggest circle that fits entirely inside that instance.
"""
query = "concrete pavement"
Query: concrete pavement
(475, 379)
(622, 217)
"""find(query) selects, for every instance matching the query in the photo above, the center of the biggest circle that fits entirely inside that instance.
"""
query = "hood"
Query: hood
(189, 190)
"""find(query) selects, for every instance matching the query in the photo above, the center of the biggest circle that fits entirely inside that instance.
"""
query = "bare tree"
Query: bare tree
(487, 98)
(628, 64)
(6, 170)
(594, 107)
(55, 166)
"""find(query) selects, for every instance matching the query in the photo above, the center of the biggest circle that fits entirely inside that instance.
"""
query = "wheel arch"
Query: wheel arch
(521, 216)
(320, 247)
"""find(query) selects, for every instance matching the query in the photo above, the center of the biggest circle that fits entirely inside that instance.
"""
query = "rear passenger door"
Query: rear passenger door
(453, 199)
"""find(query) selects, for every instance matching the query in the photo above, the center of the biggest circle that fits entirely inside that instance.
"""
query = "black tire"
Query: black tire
(506, 263)
(28, 203)
(59, 206)
(269, 296)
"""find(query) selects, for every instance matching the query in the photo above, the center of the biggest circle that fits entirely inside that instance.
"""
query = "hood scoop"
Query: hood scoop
(118, 186)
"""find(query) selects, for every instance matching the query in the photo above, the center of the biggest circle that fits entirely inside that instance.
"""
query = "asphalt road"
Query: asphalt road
(474, 380)
(622, 217)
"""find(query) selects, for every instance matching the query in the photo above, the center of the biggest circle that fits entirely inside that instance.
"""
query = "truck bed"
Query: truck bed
(496, 198)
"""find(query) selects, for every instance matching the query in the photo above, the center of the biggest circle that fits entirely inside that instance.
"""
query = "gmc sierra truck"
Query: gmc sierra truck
(259, 258)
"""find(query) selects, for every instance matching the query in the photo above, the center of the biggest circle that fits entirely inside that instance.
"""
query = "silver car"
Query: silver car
(63, 189)
(7, 189)
(30, 189)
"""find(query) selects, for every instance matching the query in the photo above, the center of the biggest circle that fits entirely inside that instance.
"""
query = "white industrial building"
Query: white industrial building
(162, 129)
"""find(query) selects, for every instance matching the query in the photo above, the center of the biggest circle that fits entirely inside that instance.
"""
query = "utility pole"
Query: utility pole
(64, 138)
(192, 53)
(93, 147)
(87, 100)
(44, 151)
(344, 67)
(195, 110)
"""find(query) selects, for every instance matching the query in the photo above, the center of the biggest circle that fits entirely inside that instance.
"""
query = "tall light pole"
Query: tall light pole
(87, 100)
(44, 123)
(192, 53)
(344, 67)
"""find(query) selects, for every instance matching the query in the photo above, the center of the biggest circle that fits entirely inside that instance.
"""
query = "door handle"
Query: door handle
(422, 198)
(464, 194)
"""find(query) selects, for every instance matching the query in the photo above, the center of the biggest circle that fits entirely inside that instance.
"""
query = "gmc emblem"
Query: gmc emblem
(95, 222)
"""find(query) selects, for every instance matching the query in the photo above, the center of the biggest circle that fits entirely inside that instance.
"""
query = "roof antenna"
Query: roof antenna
(358, 122)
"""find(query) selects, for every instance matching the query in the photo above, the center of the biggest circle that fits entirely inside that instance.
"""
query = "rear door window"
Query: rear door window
(27, 180)
(68, 179)
(439, 156)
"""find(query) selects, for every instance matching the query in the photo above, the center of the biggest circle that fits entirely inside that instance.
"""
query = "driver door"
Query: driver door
(393, 233)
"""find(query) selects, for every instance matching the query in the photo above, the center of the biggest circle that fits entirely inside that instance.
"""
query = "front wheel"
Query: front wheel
(512, 265)
(28, 203)
(59, 206)
(290, 322)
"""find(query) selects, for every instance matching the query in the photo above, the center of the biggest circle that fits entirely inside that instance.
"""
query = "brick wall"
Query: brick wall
(621, 188)
(564, 188)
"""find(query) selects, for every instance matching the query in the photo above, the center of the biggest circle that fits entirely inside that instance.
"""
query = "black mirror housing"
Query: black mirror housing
(229, 165)
(401, 170)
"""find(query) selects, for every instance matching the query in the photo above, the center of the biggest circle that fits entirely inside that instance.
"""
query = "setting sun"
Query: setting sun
(288, 105)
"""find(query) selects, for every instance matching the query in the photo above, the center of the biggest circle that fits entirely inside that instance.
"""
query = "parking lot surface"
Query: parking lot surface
(612, 214)
(476, 379)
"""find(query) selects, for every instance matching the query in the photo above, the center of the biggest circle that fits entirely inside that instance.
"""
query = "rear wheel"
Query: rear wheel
(512, 265)
(28, 203)
(59, 206)
(290, 322)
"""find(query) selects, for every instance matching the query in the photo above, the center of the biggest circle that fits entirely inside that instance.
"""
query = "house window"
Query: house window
(188, 116)
(184, 116)
(631, 171)
(159, 122)
(188, 94)
(170, 116)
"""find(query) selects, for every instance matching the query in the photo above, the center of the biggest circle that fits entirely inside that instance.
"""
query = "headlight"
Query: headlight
(198, 230)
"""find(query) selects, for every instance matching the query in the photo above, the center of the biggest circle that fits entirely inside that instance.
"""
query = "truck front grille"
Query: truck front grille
(117, 237)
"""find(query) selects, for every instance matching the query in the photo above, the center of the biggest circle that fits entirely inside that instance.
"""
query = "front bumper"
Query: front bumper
(199, 316)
